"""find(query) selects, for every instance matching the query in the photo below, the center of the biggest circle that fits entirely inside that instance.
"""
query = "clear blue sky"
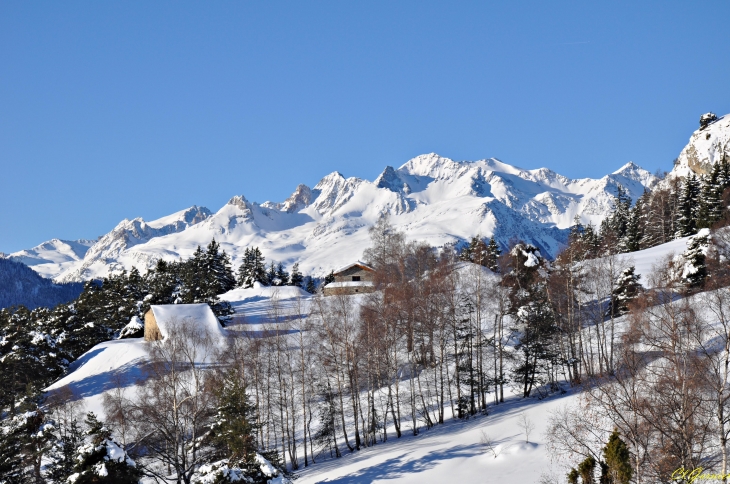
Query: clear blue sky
(124, 109)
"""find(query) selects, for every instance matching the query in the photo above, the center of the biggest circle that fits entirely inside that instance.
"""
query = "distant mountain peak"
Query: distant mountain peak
(432, 198)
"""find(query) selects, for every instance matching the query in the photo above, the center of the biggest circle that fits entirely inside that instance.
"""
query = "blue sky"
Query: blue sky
(124, 109)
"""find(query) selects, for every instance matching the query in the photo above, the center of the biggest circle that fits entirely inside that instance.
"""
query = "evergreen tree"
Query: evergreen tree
(271, 275)
(631, 240)
(329, 278)
(627, 289)
(297, 279)
(246, 270)
(233, 432)
(258, 267)
(102, 460)
(617, 223)
(493, 253)
(282, 276)
(217, 270)
(586, 469)
(530, 309)
(311, 288)
(70, 438)
(687, 206)
(711, 206)
(695, 268)
(618, 460)
(26, 441)
(573, 476)
(466, 254)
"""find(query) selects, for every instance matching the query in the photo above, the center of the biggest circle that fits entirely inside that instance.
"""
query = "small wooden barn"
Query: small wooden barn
(355, 278)
(160, 318)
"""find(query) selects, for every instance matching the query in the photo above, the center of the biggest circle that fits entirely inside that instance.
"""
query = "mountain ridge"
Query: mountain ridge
(431, 197)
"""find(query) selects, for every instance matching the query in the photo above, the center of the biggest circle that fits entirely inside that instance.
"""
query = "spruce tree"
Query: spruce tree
(618, 460)
(297, 279)
(627, 289)
(217, 270)
(573, 476)
(687, 206)
(493, 253)
(271, 275)
(631, 240)
(102, 460)
(329, 278)
(311, 288)
(586, 469)
(282, 276)
(710, 199)
(233, 432)
(695, 267)
(244, 276)
(258, 267)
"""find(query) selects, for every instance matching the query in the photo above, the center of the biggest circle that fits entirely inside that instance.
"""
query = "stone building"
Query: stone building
(356, 278)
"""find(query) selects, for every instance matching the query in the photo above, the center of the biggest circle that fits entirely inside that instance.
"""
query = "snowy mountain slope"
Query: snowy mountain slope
(706, 147)
(431, 198)
(53, 257)
(107, 254)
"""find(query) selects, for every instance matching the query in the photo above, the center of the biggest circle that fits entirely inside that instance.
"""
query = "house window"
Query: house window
(355, 278)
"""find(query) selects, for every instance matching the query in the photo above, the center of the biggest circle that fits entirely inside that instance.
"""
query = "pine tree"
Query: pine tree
(271, 275)
(493, 253)
(586, 469)
(710, 200)
(535, 327)
(102, 460)
(631, 241)
(233, 432)
(282, 276)
(245, 270)
(70, 438)
(618, 460)
(627, 289)
(258, 267)
(311, 288)
(466, 254)
(329, 278)
(695, 268)
(217, 270)
(297, 279)
(615, 226)
(573, 476)
(687, 206)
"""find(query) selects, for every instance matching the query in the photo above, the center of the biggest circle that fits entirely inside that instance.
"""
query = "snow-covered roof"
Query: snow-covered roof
(349, 284)
(168, 314)
(357, 263)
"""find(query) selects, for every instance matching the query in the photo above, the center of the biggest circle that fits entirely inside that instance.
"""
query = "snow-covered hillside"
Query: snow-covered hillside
(706, 146)
(48, 258)
(431, 198)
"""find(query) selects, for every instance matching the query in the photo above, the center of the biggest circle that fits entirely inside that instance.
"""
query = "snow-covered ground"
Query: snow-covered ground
(454, 453)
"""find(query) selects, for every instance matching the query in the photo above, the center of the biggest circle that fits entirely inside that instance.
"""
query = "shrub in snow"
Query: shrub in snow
(101, 459)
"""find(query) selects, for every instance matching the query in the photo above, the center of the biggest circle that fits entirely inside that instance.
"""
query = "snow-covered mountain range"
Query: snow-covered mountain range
(431, 198)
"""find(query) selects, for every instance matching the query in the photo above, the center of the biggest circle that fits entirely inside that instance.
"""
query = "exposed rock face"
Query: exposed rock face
(707, 146)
